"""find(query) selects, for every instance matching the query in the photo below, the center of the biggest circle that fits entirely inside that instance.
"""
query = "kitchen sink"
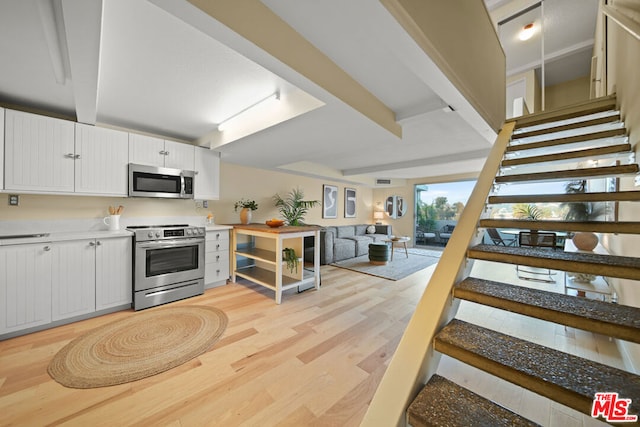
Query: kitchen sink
(24, 236)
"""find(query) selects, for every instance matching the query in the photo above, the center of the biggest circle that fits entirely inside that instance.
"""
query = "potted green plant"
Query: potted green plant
(246, 207)
(290, 257)
(293, 207)
(528, 211)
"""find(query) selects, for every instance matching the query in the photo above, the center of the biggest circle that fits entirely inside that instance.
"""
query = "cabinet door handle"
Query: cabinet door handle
(164, 153)
(70, 156)
(92, 243)
(77, 156)
(98, 243)
(217, 258)
(217, 246)
(47, 248)
(217, 236)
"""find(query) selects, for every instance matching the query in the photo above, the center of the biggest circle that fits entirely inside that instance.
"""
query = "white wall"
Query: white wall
(236, 182)
(622, 79)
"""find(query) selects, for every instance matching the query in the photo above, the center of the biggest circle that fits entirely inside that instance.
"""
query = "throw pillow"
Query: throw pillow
(371, 229)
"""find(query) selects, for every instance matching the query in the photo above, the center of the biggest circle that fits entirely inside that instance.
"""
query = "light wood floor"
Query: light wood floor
(314, 360)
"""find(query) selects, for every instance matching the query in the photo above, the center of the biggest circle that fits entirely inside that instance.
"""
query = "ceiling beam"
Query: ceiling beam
(83, 28)
(274, 36)
(419, 111)
(436, 160)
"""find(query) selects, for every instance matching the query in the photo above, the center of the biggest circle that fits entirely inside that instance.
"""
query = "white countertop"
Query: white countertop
(62, 236)
(215, 227)
(88, 228)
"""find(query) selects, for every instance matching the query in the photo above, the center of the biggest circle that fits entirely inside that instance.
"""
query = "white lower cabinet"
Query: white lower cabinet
(47, 282)
(216, 270)
(73, 272)
(113, 273)
(25, 284)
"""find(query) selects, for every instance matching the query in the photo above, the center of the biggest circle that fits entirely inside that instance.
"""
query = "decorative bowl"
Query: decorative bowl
(274, 223)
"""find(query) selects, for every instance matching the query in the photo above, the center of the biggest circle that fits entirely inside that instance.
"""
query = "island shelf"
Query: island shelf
(263, 245)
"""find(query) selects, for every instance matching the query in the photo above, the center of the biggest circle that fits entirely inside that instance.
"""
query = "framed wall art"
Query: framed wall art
(329, 201)
(350, 202)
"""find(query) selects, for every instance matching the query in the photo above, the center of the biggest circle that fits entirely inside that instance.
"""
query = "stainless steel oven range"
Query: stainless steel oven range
(168, 263)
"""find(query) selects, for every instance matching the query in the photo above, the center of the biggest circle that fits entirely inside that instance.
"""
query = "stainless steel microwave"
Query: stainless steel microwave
(152, 181)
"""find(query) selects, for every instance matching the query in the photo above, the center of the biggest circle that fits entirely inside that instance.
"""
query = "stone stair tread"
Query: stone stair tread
(614, 117)
(619, 196)
(444, 403)
(623, 227)
(565, 378)
(579, 262)
(569, 155)
(615, 320)
(569, 174)
(594, 136)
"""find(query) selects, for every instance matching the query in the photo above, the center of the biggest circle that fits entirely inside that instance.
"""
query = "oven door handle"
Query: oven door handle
(169, 244)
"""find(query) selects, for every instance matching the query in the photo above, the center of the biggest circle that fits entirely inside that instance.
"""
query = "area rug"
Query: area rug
(399, 268)
(425, 252)
(139, 346)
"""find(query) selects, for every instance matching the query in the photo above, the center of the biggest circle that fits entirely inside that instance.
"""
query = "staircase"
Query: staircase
(544, 148)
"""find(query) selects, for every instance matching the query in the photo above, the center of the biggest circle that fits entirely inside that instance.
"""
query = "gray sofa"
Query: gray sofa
(349, 241)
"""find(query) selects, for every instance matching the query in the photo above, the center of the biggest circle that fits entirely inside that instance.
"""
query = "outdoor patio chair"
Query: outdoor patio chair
(423, 237)
(538, 239)
(446, 232)
(497, 239)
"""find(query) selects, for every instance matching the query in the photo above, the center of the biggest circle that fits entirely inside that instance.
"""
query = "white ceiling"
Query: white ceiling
(163, 67)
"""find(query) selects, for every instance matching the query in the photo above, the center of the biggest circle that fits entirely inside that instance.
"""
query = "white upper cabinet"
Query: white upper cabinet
(146, 150)
(151, 151)
(178, 156)
(39, 153)
(1, 148)
(207, 181)
(102, 156)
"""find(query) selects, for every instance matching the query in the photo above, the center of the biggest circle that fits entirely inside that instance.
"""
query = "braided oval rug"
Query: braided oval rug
(139, 346)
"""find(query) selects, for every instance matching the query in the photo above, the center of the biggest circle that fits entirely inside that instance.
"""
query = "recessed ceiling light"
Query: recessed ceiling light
(527, 32)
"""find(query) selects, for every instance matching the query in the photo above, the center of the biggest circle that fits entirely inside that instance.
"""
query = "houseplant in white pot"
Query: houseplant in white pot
(246, 207)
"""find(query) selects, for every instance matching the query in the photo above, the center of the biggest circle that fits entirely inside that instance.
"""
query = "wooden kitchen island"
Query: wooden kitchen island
(263, 245)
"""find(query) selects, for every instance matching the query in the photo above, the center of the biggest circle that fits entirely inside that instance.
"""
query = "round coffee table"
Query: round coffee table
(393, 241)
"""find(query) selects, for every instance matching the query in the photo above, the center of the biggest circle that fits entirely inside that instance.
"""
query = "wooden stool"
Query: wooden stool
(379, 253)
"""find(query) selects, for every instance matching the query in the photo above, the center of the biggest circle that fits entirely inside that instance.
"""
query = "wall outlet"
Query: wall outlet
(14, 200)
(205, 203)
